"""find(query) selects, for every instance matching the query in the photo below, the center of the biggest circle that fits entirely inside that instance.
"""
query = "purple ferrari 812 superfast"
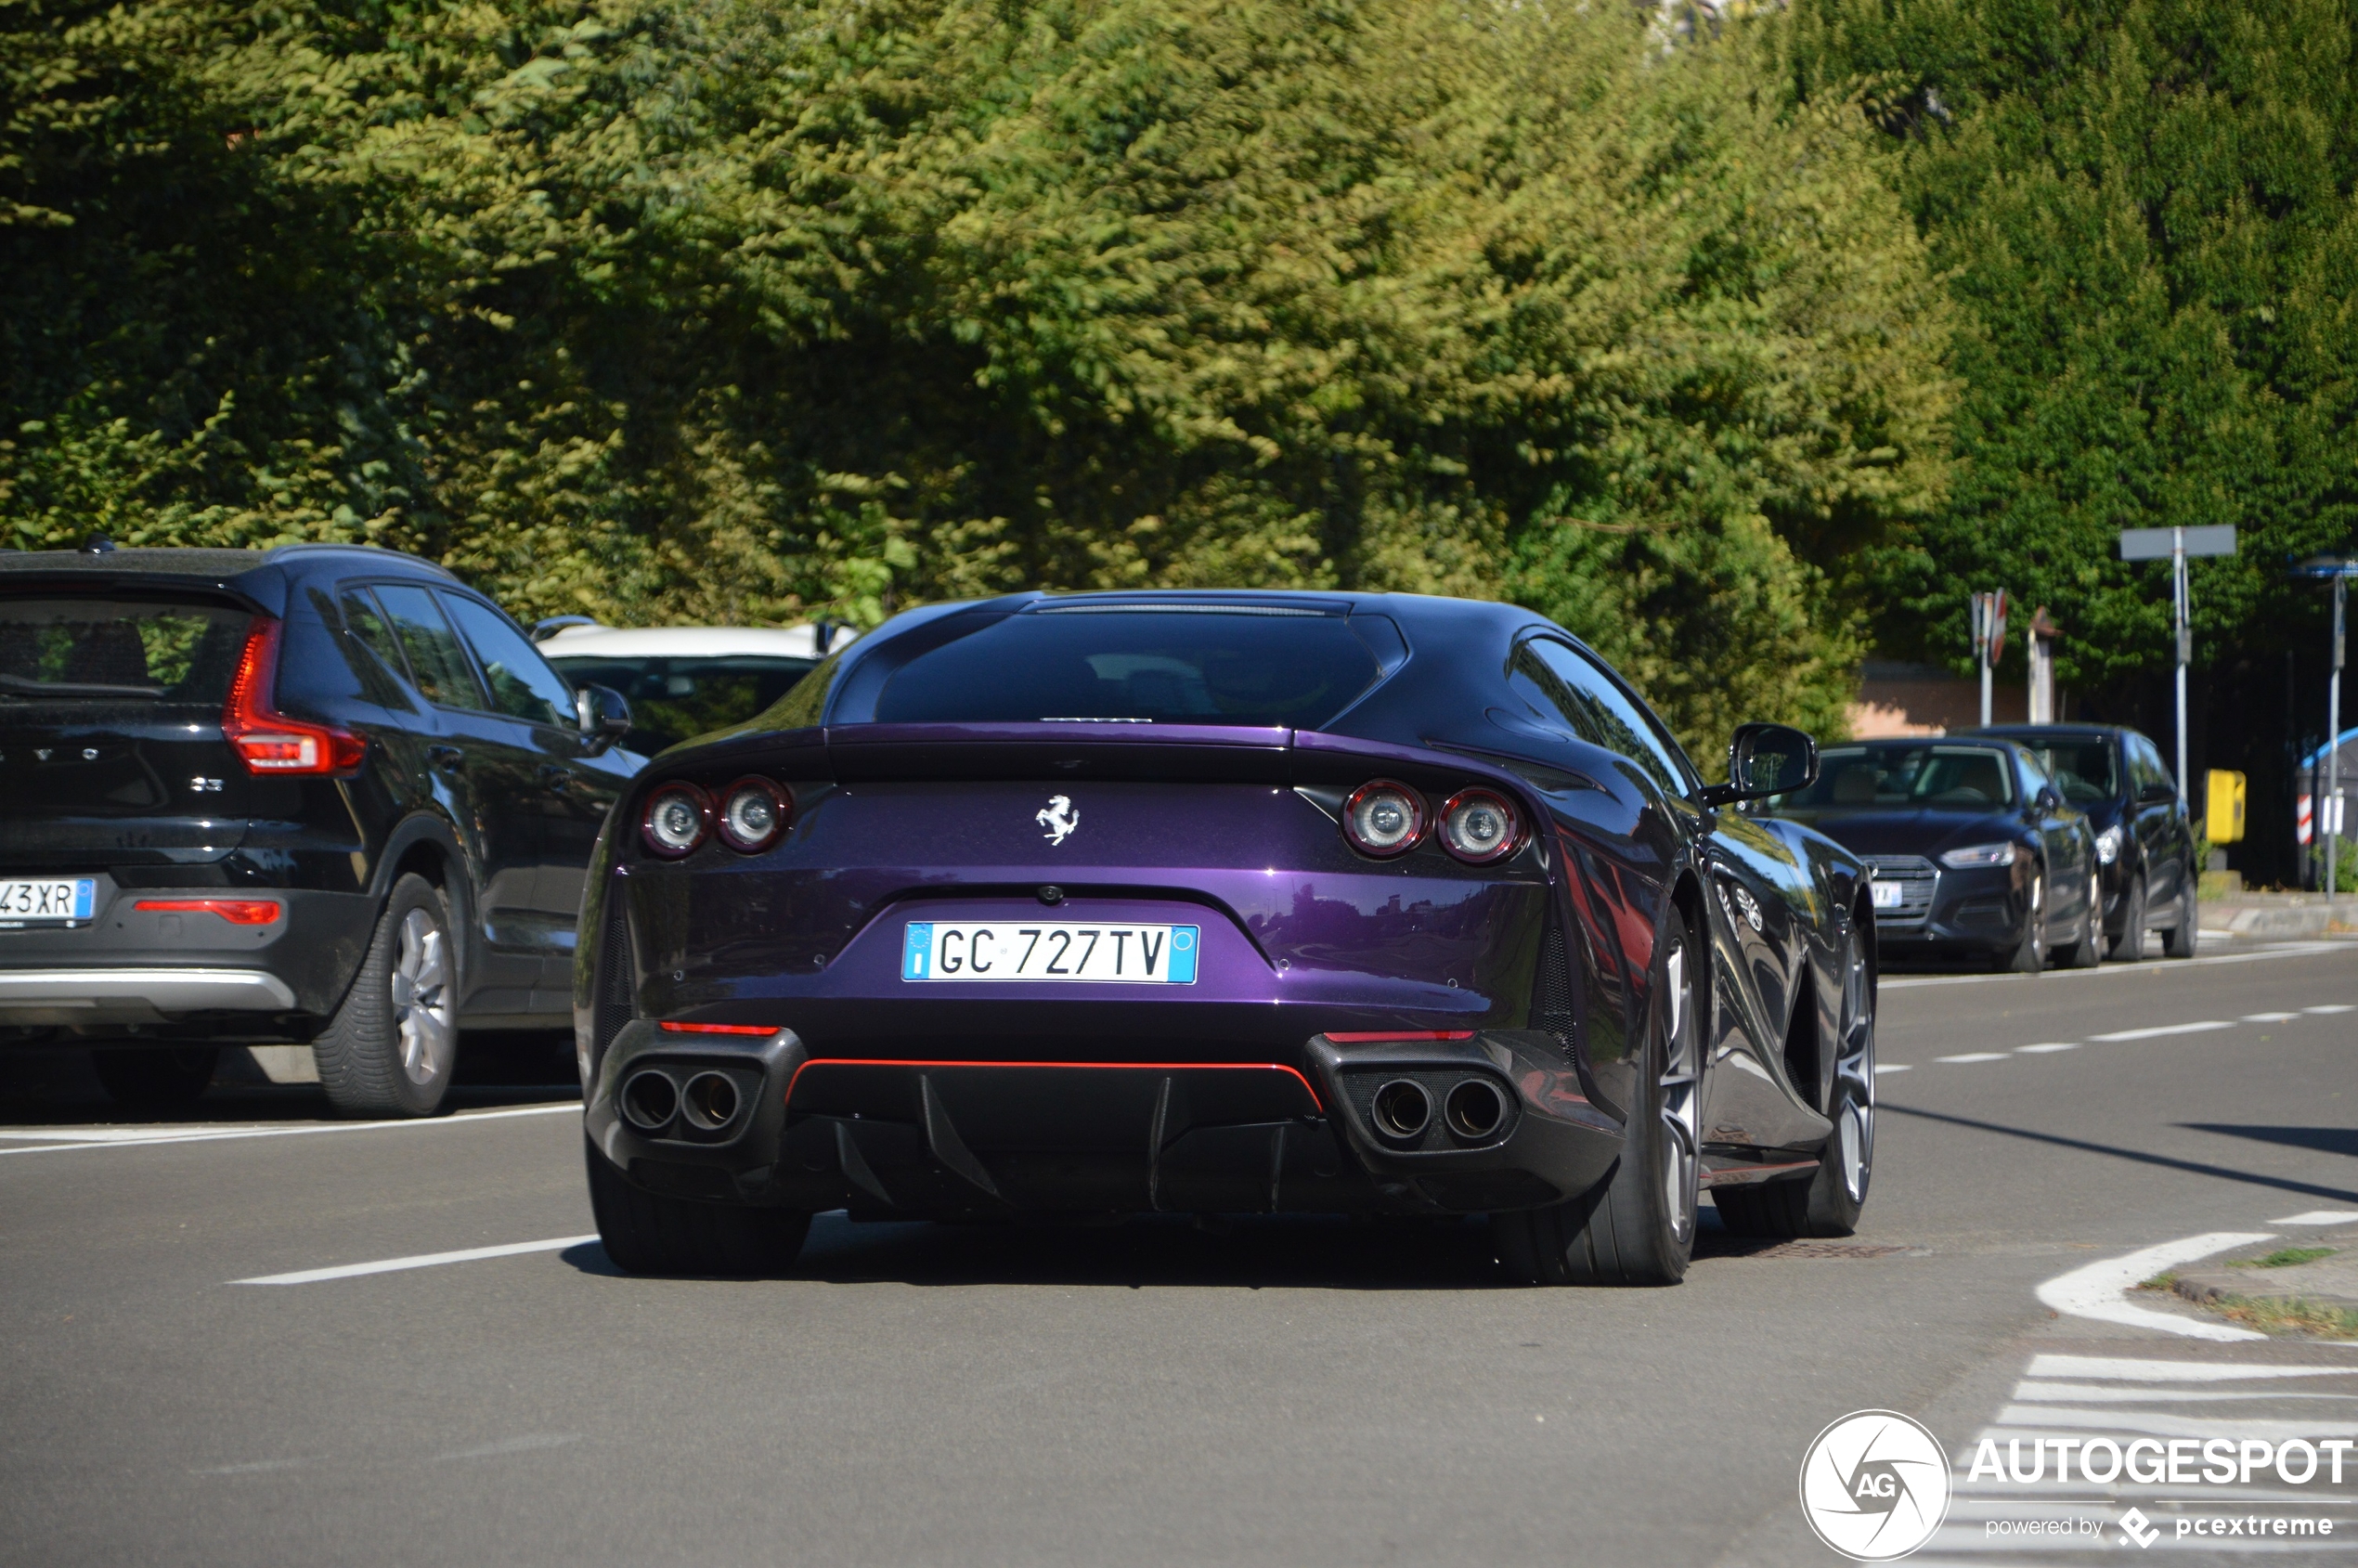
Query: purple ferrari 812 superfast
(1222, 903)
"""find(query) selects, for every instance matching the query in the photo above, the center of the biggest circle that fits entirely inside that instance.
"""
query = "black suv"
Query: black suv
(315, 795)
(2144, 845)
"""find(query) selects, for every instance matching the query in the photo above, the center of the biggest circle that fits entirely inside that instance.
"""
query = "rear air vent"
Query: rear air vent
(615, 1002)
(1551, 992)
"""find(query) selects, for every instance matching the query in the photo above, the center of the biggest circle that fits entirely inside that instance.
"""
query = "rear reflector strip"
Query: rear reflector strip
(1073, 1067)
(671, 1026)
(237, 911)
(1372, 1037)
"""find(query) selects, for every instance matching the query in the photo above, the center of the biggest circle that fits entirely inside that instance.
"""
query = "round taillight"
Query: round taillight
(679, 815)
(1478, 826)
(753, 813)
(1384, 819)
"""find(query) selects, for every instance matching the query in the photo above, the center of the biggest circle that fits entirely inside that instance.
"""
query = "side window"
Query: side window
(365, 622)
(2033, 778)
(1597, 710)
(2149, 767)
(437, 664)
(523, 686)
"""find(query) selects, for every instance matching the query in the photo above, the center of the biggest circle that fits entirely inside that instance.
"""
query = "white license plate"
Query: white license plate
(45, 900)
(1887, 895)
(1040, 951)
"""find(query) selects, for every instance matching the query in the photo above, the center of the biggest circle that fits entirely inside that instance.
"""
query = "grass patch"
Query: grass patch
(2285, 1257)
(2161, 1282)
(2312, 1319)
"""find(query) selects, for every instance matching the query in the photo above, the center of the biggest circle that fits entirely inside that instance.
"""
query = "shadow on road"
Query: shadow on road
(2325, 1140)
(1245, 1252)
(2141, 1157)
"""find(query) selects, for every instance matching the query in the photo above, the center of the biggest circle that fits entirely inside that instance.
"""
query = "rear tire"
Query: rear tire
(155, 1078)
(2129, 946)
(1638, 1226)
(2180, 940)
(392, 1047)
(2029, 956)
(2089, 951)
(1829, 1203)
(645, 1233)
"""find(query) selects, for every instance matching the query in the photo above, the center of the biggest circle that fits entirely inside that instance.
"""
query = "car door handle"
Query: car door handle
(446, 757)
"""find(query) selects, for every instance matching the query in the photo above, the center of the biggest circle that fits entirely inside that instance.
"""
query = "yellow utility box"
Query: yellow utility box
(2225, 812)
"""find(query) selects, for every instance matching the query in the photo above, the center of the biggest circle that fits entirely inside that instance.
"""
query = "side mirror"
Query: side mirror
(2049, 800)
(1765, 760)
(603, 715)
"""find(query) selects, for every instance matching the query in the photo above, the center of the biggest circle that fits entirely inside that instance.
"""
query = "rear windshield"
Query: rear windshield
(2083, 769)
(1103, 664)
(118, 650)
(672, 699)
(1903, 777)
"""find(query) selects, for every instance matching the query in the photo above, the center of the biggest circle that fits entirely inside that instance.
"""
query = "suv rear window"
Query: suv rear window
(1245, 665)
(118, 650)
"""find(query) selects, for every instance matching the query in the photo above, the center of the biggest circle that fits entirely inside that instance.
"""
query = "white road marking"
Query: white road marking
(2291, 950)
(2097, 1394)
(1975, 1057)
(1881, 1068)
(2318, 1217)
(2330, 1007)
(571, 1107)
(2043, 1050)
(527, 1445)
(422, 1260)
(251, 1466)
(2157, 1030)
(2051, 1417)
(2142, 1369)
(2269, 1017)
(2096, 1289)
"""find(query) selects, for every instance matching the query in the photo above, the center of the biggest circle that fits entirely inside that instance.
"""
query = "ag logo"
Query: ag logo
(1875, 1485)
(1059, 819)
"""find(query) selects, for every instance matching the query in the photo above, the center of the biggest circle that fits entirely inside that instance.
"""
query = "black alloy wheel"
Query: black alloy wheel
(648, 1233)
(2180, 939)
(155, 1078)
(1830, 1203)
(1638, 1226)
(2028, 955)
(2129, 947)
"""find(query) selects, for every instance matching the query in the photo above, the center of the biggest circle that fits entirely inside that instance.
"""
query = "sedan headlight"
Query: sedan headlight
(2109, 845)
(1976, 855)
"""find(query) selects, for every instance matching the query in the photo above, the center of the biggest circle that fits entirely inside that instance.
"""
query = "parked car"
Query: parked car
(2144, 845)
(685, 680)
(1975, 849)
(311, 794)
(1223, 901)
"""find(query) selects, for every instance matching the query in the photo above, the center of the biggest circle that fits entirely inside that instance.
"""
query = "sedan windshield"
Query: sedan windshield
(1903, 776)
(676, 697)
(1144, 665)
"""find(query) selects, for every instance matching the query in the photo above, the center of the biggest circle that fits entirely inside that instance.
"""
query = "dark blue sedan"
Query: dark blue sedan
(1100, 905)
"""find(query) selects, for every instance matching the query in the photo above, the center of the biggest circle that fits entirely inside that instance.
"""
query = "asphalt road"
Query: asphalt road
(1286, 1391)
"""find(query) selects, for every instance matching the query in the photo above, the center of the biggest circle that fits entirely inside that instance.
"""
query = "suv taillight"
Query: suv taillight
(269, 742)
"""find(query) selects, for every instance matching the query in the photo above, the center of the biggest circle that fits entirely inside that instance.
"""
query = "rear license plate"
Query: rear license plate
(1140, 955)
(1887, 895)
(45, 900)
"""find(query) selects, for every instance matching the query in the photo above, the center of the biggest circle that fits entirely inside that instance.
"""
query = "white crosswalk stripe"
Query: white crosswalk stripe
(2255, 1399)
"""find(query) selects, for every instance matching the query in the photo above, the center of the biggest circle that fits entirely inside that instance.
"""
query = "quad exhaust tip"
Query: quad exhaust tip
(650, 1099)
(1475, 1110)
(1402, 1108)
(710, 1102)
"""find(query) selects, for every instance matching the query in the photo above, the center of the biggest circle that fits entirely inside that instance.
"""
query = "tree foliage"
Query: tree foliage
(2144, 209)
(754, 309)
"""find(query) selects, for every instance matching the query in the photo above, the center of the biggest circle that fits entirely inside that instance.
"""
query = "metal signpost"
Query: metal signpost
(2153, 544)
(2328, 812)
(1988, 639)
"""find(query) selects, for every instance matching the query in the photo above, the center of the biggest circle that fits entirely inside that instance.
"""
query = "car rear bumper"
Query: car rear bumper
(908, 1134)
